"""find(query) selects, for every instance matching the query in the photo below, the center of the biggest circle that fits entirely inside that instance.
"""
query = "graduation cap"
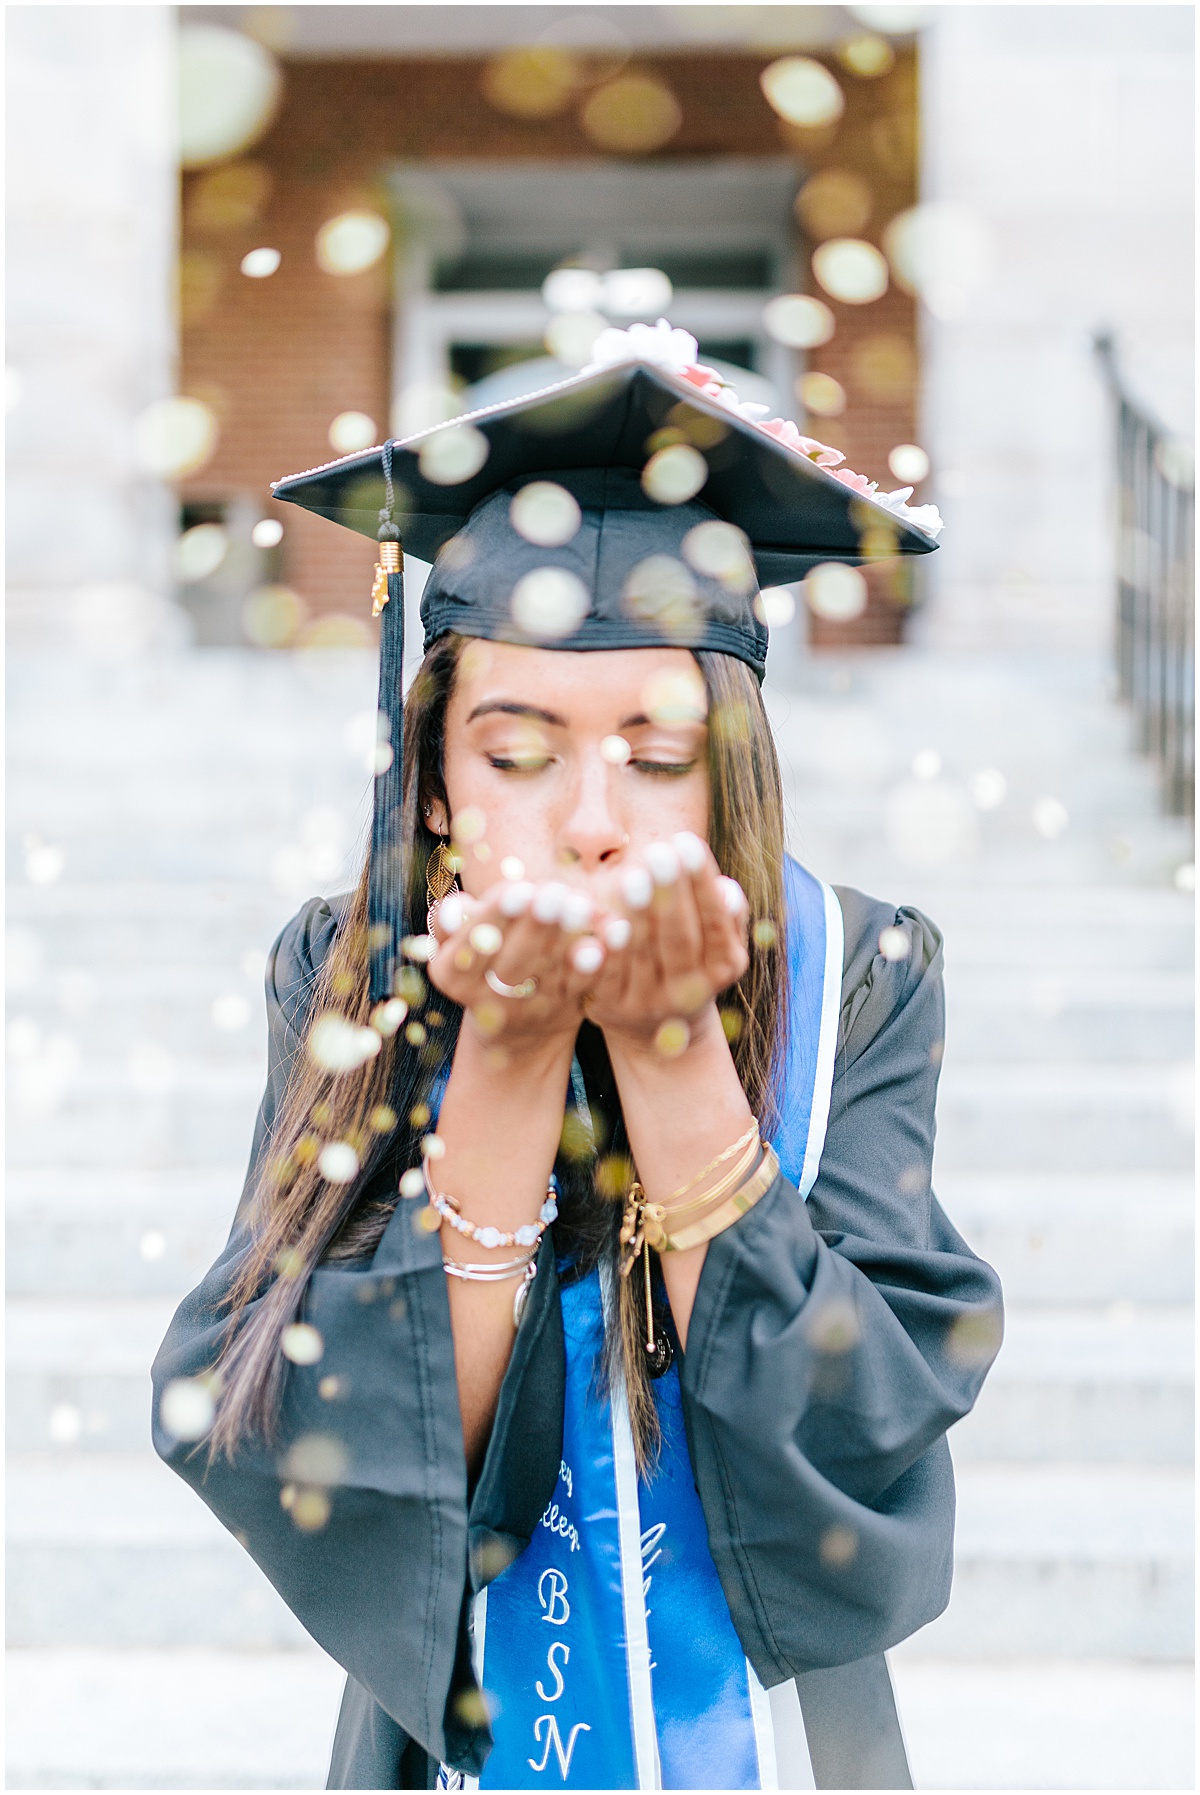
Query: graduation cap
(636, 505)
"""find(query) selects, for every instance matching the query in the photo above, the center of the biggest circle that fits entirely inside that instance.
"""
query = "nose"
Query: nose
(592, 835)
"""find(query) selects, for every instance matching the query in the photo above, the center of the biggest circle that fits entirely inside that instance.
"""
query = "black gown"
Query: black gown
(794, 1427)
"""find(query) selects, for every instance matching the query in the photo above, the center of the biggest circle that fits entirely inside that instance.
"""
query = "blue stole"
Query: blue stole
(606, 1651)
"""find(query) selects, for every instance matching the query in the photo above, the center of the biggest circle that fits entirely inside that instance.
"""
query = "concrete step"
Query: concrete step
(1083, 1561)
(1084, 1385)
(81, 1718)
(1144, 1017)
(117, 1233)
(1075, 1561)
(1064, 1117)
(156, 1109)
(1041, 1723)
(1080, 1237)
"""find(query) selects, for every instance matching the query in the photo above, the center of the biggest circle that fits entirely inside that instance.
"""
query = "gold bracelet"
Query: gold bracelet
(742, 1141)
(748, 1158)
(656, 1220)
(752, 1191)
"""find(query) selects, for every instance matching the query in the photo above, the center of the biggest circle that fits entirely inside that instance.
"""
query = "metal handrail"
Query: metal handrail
(1155, 623)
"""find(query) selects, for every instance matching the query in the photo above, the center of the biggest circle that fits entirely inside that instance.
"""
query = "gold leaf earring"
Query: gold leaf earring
(441, 876)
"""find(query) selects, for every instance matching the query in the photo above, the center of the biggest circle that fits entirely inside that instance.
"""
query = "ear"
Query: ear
(436, 818)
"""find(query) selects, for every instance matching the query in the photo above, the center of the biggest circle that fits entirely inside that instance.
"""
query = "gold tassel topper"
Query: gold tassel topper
(391, 560)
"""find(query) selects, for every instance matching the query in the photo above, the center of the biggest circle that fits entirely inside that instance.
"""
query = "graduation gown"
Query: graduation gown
(792, 1433)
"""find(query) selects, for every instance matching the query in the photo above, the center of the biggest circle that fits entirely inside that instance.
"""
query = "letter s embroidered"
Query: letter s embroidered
(552, 1598)
(559, 1645)
(554, 1737)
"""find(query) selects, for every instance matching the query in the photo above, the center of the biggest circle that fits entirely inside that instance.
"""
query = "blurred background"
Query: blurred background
(954, 242)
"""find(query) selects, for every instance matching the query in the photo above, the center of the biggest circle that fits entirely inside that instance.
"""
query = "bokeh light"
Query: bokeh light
(821, 394)
(352, 241)
(545, 513)
(231, 1011)
(661, 592)
(173, 437)
(229, 89)
(260, 264)
(941, 251)
(632, 115)
(798, 320)
(675, 695)
(302, 1343)
(909, 463)
(615, 750)
(851, 270)
(532, 81)
(572, 290)
(200, 551)
(895, 21)
(867, 55)
(272, 616)
(452, 455)
(549, 603)
(720, 551)
(835, 592)
(267, 533)
(884, 368)
(229, 199)
(775, 606)
(674, 474)
(570, 336)
(834, 203)
(636, 292)
(1050, 818)
(802, 92)
(186, 1409)
(338, 1162)
(926, 763)
(989, 788)
(351, 431)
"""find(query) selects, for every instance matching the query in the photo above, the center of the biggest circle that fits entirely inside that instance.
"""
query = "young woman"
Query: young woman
(587, 1337)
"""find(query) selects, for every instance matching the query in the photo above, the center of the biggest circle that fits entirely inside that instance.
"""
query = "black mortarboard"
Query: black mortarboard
(626, 481)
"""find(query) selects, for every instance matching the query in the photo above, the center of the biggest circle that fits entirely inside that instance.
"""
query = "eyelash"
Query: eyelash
(668, 769)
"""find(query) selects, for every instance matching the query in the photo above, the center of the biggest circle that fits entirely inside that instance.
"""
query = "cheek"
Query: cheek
(661, 807)
(517, 824)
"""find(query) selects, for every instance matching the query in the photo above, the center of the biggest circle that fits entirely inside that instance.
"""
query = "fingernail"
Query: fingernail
(452, 913)
(588, 956)
(617, 931)
(637, 888)
(514, 899)
(663, 862)
(576, 913)
(548, 901)
(690, 849)
(732, 896)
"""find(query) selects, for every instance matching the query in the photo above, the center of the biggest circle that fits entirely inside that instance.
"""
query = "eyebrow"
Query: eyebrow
(508, 708)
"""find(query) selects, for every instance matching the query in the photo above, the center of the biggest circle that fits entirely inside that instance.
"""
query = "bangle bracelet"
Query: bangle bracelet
(743, 1199)
(496, 1274)
(527, 1235)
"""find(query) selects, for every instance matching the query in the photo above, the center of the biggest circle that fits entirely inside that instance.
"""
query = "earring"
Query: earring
(441, 876)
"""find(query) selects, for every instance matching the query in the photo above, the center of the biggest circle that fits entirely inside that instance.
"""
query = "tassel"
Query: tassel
(385, 911)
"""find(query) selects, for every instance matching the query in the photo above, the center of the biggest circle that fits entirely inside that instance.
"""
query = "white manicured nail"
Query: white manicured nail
(514, 899)
(690, 849)
(576, 913)
(452, 913)
(663, 862)
(637, 888)
(617, 931)
(588, 956)
(548, 901)
(732, 896)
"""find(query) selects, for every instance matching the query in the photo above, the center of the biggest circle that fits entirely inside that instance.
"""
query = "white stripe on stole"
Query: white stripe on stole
(831, 1009)
(478, 1642)
(633, 1595)
(764, 1731)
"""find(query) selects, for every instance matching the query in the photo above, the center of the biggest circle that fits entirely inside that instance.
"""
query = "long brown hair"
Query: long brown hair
(298, 1218)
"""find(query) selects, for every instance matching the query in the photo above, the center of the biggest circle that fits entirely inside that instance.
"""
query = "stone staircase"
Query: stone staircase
(196, 799)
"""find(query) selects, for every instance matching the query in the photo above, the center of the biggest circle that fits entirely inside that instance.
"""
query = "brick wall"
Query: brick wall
(280, 358)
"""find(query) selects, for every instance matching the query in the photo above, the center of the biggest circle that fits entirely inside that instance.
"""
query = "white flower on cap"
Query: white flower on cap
(658, 343)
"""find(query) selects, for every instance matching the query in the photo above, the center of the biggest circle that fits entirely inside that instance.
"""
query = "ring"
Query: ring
(526, 988)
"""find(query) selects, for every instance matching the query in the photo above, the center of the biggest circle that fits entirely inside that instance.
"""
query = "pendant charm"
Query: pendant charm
(660, 1356)
(379, 590)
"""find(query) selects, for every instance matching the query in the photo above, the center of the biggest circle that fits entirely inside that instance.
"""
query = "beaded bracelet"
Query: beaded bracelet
(527, 1235)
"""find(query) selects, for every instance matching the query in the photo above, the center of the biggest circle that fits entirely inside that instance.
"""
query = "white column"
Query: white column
(1069, 130)
(92, 182)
